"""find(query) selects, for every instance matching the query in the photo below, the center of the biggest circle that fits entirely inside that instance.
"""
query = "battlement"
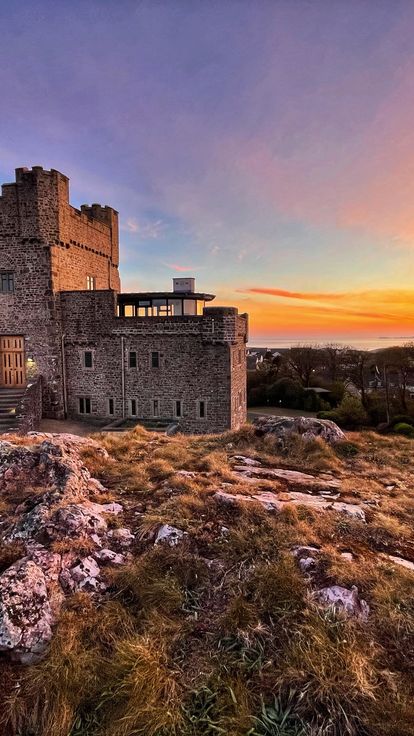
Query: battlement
(37, 172)
(100, 213)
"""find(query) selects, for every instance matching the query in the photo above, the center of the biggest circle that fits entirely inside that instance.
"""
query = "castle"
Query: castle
(97, 353)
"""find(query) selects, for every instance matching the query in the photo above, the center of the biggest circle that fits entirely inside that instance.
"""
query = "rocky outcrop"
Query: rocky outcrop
(293, 478)
(309, 428)
(276, 502)
(65, 515)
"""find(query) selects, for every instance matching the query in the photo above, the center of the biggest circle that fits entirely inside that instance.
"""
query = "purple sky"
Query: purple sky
(257, 144)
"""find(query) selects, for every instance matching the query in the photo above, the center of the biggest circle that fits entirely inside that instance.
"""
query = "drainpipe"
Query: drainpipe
(123, 375)
(65, 399)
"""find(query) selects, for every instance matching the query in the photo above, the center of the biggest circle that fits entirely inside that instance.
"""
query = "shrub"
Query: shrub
(404, 428)
(333, 416)
(349, 414)
(346, 449)
(401, 418)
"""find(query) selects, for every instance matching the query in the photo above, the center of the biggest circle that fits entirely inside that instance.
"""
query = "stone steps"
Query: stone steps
(9, 400)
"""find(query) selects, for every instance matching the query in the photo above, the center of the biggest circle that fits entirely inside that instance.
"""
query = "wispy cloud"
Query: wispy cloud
(146, 230)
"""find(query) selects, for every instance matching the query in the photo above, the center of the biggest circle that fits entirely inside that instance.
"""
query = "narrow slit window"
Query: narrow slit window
(178, 409)
(87, 359)
(202, 409)
(91, 283)
(132, 359)
(133, 407)
(155, 359)
(155, 407)
(111, 407)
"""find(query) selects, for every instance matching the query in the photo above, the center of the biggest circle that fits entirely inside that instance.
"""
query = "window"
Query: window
(178, 408)
(133, 408)
(111, 406)
(132, 359)
(155, 407)
(84, 405)
(202, 409)
(240, 357)
(6, 282)
(91, 283)
(87, 359)
(176, 307)
(190, 306)
(155, 360)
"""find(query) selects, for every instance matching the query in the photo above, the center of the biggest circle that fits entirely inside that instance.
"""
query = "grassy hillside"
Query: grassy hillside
(219, 634)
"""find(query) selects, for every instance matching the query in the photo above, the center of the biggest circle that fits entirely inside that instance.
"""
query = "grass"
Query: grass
(219, 635)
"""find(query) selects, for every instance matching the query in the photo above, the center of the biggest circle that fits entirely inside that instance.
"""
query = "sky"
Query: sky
(264, 147)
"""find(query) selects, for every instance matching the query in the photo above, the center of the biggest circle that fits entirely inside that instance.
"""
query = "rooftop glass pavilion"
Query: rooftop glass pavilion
(183, 300)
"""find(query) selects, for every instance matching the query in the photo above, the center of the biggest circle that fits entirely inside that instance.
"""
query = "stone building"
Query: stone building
(102, 354)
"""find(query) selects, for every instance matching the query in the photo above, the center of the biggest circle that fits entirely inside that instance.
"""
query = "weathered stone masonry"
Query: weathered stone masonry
(52, 249)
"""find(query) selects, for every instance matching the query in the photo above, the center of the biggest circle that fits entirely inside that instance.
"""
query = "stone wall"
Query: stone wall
(195, 363)
(29, 410)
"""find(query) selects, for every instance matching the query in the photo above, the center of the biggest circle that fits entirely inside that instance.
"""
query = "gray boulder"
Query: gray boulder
(308, 428)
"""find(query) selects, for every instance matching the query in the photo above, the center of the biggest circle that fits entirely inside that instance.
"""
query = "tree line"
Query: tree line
(355, 386)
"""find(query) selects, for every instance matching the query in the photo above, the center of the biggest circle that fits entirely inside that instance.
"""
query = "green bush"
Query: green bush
(346, 449)
(333, 416)
(402, 419)
(404, 428)
(349, 414)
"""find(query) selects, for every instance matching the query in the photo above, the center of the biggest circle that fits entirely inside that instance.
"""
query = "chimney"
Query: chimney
(186, 285)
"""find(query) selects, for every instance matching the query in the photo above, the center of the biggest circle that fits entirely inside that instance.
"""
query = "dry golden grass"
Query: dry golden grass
(202, 638)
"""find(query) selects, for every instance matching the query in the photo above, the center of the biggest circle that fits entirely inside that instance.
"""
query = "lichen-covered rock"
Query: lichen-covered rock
(87, 568)
(121, 538)
(169, 535)
(274, 502)
(308, 427)
(244, 460)
(53, 462)
(26, 616)
(109, 557)
(293, 478)
(343, 601)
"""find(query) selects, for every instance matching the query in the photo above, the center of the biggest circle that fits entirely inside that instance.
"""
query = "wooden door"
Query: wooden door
(12, 366)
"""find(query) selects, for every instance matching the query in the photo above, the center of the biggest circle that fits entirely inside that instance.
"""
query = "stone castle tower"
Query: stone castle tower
(101, 353)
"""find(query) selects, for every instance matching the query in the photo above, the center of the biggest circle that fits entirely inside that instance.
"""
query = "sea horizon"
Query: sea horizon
(363, 343)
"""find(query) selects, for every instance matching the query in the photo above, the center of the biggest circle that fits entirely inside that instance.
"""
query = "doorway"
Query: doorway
(12, 363)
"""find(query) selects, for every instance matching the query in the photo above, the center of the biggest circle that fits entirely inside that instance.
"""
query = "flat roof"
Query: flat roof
(148, 295)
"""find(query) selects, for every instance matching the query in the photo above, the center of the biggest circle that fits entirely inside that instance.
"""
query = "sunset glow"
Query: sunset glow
(265, 148)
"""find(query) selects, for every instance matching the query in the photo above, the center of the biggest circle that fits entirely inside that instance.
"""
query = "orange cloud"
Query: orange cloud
(180, 269)
(371, 312)
(312, 296)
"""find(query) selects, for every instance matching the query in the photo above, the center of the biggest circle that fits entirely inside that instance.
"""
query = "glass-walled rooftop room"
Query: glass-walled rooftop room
(162, 305)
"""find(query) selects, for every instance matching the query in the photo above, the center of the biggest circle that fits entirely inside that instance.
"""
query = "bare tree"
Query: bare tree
(304, 360)
(334, 355)
(357, 368)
